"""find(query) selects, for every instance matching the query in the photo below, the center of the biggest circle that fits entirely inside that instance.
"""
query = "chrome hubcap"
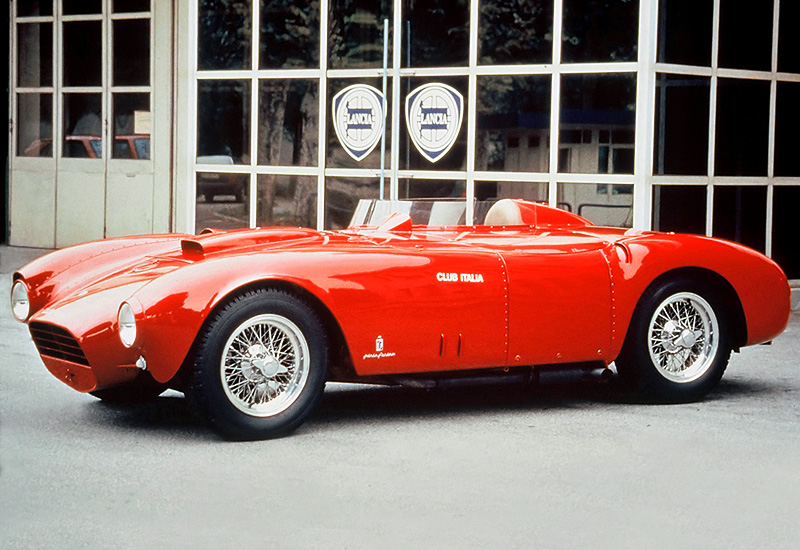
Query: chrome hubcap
(683, 337)
(265, 365)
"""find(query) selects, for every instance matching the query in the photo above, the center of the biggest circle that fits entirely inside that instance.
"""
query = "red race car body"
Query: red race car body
(388, 300)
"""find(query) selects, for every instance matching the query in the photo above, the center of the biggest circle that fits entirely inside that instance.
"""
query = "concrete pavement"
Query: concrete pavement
(566, 465)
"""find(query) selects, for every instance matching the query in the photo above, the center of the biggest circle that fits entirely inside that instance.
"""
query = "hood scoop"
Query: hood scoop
(192, 250)
(210, 242)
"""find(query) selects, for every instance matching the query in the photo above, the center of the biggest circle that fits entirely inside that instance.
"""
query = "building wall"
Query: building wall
(646, 114)
(91, 120)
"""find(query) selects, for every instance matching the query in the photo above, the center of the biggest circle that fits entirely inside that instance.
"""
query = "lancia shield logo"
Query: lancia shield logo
(358, 119)
(433, 117)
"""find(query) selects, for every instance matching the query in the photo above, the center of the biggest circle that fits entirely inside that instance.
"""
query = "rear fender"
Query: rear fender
(755, 289)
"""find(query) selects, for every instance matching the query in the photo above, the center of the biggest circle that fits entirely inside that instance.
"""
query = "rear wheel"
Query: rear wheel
(261, 366)
(677, 347)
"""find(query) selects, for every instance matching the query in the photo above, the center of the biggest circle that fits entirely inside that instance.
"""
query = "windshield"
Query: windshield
(434, 213)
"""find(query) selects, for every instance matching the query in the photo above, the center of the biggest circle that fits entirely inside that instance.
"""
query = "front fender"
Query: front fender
(175, 307)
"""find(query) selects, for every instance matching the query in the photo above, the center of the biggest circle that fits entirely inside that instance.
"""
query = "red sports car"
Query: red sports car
(250, 324)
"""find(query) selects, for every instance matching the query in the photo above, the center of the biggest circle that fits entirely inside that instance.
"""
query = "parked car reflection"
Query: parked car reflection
(132, 146)
(213, 184)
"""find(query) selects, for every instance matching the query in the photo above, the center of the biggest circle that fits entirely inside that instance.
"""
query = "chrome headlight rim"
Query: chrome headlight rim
(20, 301)
(126, 324)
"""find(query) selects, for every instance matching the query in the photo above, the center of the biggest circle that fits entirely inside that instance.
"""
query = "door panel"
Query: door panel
(80, 199)
(33, 206)
(560, 304)
(427, 310)
(92, 88)
(129, 203)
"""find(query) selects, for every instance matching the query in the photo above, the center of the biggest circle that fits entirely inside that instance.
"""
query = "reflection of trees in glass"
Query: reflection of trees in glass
(508, 103)
(600, 30)
(356, 33)
(224, 34)
(287, 107)
(223, 119)
(287, 117)
(516, 31)
(289, 34)
(609, 92)
(438, 33)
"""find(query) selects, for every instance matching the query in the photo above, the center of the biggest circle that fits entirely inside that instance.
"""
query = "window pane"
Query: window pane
(132, 52)
(740, 214)
(516, 31)
(337, 156)
(342, 196)
(593, 106)
(679, 208)
(130, 6)
(32, 8)
(83, 125)
(513, 123)
(82, 7)
(288, 125)
(356, 33)
(131, 126)
(35, 55)
(427, 24)
(681, 144)
(289, 35)
(223, 121)
(83, 53)
(745, 35)
(600, 30)
(286, 201)
(684, 31)
(785, 229)
(456, 157)
(431, 189)
(789, 38)
(35, 125)
(787, 121)
(224, 35)
(486, 190)
(221, 201)
(742, 128)
(601, 204)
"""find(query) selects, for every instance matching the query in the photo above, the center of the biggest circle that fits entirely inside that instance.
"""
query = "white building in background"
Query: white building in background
(141, 116)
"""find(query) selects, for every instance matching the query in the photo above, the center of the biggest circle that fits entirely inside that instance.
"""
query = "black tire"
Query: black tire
(241, 385)
(141, 389)
(678, 343)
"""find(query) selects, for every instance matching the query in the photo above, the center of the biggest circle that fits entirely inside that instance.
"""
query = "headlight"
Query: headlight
(127, 324)
(20, 305)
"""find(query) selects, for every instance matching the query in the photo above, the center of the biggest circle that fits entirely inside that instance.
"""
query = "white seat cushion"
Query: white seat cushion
(503, 212)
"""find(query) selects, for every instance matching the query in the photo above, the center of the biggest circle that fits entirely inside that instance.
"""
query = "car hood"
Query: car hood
(87, 269)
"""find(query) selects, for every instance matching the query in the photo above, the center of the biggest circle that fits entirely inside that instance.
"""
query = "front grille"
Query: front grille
(54, 341)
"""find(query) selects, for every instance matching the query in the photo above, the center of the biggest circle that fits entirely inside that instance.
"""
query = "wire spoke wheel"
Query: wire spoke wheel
(683, 337)
(265, 365)
(678, 343)
(261, 366)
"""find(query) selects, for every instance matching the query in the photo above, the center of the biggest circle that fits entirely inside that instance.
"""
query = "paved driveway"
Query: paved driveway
(567, 465)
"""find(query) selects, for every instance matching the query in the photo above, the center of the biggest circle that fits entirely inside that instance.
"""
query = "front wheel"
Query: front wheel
(677, 347)
(261, 366)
